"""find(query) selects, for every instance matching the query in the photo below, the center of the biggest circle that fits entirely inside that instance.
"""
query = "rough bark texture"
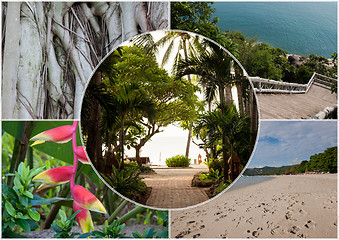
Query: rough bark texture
(52, 48)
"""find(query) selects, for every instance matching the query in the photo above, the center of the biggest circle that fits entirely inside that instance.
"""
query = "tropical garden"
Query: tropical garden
(50, 190)
(161, 79)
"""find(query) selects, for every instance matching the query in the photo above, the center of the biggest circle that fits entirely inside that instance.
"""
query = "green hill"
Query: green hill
(266, 170)
(320, 162)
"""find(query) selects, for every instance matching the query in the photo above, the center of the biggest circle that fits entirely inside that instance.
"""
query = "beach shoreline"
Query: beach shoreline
(290, 206)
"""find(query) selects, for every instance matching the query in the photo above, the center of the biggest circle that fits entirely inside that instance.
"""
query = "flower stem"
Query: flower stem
(74, 145)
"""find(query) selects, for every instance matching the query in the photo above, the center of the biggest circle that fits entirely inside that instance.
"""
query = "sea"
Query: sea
(297, 27)
(245, 181)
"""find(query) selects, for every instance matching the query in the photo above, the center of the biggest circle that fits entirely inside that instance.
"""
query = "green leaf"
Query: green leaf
(56, 228)
(34, 214)
(8, 192)
(33, 224)
(163, 233)
(62, 151)
(37, 200)
(10, 234)
(10, 209)
(73, 215)
(34, 172)
(18, 185)
(62, 215)
(85, 235)
(23, 200)
(23, 223)
(28, 194)
(136, 235)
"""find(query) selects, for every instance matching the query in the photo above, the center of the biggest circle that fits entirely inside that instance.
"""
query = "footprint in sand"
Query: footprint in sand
(301, 211)
(224, 235)
(196, 235)
(294, 229)
(250, 220)
(288, 216)
(310, 224)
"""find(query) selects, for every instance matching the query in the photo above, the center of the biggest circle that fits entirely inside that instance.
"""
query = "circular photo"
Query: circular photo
(169, 119)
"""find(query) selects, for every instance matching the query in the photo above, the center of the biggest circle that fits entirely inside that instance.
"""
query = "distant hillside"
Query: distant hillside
(321, 162)
(266, 170)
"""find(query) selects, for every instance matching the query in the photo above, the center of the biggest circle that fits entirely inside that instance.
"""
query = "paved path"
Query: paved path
(171, 187)
(296, 106)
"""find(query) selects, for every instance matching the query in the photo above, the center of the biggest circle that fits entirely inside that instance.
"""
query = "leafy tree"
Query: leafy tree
(174, 100)
(197, 17)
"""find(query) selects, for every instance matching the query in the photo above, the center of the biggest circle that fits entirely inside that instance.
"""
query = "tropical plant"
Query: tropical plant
(214, 69)
(224, 125)
(64, 226)
(126, 181)
(18, 202)
(84, 200)
(178, 161)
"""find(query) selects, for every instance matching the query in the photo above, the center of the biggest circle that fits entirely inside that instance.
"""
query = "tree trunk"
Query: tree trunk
(51, 49)
(137, 155)
(11, 60)
(94, 145)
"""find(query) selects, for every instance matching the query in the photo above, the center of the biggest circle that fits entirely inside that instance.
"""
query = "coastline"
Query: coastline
(287, 206)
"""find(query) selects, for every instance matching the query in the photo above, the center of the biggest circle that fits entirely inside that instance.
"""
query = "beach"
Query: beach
(298, 206)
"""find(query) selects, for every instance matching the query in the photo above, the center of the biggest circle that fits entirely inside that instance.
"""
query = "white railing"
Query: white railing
(262, 85)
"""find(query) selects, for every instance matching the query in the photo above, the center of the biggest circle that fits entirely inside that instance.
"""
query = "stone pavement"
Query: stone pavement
(171, 187)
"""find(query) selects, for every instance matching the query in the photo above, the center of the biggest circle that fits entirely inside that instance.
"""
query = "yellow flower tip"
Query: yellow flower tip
(37, 142)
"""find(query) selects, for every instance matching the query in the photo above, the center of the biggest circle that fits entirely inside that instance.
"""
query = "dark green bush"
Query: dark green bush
(178, 161)
(126, 181)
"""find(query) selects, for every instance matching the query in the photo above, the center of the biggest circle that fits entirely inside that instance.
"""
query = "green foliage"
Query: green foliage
(147, 233)
(109, 231)
(321, 162)
(178, 161)
(63, 226)
(17, 206)
(197, 17)
(212, 176)
(126, 181)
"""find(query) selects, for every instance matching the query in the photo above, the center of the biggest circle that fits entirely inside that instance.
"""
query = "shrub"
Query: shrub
(178, 161)
(126, 181)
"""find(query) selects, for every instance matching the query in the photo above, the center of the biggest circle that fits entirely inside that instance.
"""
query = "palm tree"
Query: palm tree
(190, 44)
(224, 122)
(131, 99)
(214, 69)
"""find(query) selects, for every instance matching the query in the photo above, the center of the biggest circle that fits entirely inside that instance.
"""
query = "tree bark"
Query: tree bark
(11, 60)
(51, 49)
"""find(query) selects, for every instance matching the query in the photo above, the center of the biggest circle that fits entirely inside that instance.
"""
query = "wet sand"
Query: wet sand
(285, 207)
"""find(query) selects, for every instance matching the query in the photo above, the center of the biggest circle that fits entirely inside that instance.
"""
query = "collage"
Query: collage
(169, 119)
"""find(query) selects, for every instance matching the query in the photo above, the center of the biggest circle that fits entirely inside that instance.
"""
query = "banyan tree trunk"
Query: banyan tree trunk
(51, 49)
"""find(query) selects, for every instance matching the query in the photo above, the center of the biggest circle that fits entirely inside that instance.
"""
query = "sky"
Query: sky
(166, 144)
(283, 143)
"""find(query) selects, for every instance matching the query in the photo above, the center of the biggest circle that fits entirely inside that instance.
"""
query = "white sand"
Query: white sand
(285, 207)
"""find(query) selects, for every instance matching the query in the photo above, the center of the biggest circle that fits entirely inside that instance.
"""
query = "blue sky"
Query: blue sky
(284, 143)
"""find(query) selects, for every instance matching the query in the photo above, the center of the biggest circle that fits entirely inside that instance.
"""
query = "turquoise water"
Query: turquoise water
(296, 27)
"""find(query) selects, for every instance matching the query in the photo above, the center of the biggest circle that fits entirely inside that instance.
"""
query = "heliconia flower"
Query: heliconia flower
(54, 176)
(59, 135)
(84, 218)
(81, 154)
(85, 199)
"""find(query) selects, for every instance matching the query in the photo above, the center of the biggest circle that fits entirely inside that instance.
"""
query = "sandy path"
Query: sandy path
(171, 187)
(285, 207)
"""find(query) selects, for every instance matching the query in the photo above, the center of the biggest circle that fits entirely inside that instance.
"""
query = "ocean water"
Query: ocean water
(245, 181)
(296, 27)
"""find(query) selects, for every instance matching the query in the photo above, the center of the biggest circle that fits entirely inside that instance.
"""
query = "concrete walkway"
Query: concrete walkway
(171, 187)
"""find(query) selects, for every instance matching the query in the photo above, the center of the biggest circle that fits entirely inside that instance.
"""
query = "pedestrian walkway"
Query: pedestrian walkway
(171, 187)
